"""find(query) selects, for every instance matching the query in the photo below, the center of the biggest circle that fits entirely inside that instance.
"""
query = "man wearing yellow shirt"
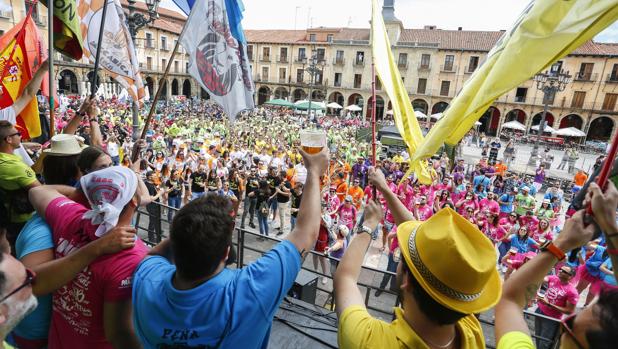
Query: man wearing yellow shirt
(439, 295)
(16, 178)
(594, 327)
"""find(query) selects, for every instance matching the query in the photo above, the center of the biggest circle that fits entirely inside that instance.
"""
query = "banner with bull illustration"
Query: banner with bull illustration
(217, 51)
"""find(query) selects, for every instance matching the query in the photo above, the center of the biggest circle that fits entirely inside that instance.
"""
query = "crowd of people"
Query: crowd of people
(74, 274)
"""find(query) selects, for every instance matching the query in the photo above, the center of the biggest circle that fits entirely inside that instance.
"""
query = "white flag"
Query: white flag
(217, 58)
(118, 55)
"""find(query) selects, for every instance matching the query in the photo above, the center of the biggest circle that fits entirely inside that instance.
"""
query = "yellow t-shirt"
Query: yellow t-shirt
(515, 340)
(358, 329)
(7, 346)
(15, 175)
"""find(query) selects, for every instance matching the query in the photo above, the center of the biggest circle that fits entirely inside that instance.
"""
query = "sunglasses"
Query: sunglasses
(30, 277)
(566, 326)
(13, 134)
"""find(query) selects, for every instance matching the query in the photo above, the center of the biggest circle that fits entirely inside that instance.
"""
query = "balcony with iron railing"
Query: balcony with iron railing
(448, 68)
(424, 66)
(283, 80)
(282, 59)
(265, 58)
(149, 43)
(612, 78)
(300, 59)
(403, 65)
(359, 63)
(338, 61)
(585, 77)
(337, 83)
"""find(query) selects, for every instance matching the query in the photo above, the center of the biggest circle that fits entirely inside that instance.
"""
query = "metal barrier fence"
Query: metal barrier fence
(249, 246)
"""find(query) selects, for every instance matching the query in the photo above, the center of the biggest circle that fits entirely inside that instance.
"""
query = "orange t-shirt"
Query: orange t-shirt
(580, 179)
(342, 190)
(357, 196)
(500, 169)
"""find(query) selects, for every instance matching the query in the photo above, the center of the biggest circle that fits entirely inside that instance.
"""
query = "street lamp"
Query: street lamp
(316, 67)
(137, 21)
(549, 83)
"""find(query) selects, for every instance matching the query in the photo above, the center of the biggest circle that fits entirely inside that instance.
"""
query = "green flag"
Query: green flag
(67, 33)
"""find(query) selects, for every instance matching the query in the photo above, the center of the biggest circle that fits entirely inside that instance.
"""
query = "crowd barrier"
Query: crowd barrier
(250, 245)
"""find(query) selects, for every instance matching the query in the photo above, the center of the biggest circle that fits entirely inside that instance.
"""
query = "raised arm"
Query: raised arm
(305, 232)
(346, 276)
(523, 285)
(604, 208)
(398, 209)
(31, 88)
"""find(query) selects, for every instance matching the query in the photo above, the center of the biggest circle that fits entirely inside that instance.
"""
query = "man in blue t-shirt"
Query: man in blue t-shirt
(184, 296)
(506, 201)
(482, 179)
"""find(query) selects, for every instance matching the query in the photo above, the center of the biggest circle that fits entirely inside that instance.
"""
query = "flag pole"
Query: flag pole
(159, 89)
(373, 113)
(52, 88)
(97, 61)
(373, 120)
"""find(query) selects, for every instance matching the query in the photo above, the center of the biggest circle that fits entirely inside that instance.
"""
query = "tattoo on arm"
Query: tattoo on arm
(303, 254)
(531, 292)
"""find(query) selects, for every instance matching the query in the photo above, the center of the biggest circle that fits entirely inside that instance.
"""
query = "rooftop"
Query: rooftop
(469, 40)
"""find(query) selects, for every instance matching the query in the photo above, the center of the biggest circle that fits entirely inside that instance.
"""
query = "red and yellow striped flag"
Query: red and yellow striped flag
(20, 56)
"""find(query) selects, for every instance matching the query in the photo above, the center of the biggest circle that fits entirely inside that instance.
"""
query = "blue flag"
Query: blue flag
(215, 43)
(185, 5)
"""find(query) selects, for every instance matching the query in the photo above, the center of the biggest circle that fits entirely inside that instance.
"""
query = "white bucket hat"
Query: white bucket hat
(64, 145)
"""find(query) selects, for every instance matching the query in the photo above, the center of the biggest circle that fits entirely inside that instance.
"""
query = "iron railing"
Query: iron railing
(248, 248)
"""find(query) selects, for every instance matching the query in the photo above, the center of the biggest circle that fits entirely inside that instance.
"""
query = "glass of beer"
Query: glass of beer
(312, 141)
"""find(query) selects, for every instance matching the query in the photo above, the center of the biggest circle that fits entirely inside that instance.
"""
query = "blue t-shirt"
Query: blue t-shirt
(594, 262)
(522, 246)
(608, 279)
(482, 180)
(509, 207)
(243, 300)
(35, 236)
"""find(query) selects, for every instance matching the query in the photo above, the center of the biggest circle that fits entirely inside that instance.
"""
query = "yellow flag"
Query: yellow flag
(387, 70)
(546, 31)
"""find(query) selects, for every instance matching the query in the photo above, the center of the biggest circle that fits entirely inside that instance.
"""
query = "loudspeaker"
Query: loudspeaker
(305, 287)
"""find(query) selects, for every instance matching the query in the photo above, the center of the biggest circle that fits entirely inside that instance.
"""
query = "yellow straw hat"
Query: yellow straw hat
(452, 260)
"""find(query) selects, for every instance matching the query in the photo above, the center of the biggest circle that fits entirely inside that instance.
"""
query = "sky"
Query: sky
(445, 14)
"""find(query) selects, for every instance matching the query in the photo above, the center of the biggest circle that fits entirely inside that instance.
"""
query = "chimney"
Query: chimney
(430, 27)
(459, 28)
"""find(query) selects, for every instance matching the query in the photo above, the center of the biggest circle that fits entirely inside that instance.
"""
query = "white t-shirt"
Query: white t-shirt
(301, 173)
(112, 149)
(9, 115)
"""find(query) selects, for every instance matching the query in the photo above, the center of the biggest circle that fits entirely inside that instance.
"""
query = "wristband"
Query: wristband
(553, 249)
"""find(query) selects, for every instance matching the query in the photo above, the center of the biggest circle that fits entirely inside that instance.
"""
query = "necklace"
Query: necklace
(447, 345)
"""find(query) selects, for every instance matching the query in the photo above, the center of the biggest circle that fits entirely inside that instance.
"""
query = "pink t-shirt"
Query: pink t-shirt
(558, 294)
(407, 192)
(347, 216)
(491, 206)
(77, 317)
(424, 212)
(495, 233)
